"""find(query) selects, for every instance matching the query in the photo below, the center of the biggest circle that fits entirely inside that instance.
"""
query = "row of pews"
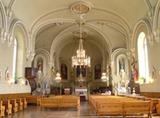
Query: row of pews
(11, 104)
(121, 106)
(65, 101)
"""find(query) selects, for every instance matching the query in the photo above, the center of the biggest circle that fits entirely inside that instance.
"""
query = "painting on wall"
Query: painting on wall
(97, 71)
(64, 71)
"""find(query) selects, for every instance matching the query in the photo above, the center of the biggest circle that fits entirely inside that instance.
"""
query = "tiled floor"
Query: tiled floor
(36, 112)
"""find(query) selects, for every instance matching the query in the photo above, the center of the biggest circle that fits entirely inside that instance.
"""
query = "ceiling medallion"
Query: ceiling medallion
(80, 7)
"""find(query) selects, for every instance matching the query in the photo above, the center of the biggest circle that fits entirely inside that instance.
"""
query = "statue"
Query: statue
(39, 77)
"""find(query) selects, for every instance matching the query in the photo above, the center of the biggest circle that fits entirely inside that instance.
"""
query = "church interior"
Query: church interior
(79, 58)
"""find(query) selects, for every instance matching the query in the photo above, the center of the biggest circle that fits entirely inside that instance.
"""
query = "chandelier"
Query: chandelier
(81, 59)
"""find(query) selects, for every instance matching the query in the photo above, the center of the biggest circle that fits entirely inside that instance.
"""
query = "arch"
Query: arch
(40, 63)
(44, 55)
(116, 56)
(142, 57)
(122, 63)
(18, 30)
(59, 39)
(3, 15)
(41, 22)
(156, 17)
(144, 26)
(18, 23)
(38, 20)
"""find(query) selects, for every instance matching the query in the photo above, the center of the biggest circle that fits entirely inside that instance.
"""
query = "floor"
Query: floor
(36, 112)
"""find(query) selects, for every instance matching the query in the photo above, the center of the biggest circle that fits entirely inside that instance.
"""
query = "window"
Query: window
(143, 58)
(14, 58)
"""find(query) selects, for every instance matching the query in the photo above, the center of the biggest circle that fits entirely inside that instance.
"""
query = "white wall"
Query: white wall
(6, 56)
(154, 60)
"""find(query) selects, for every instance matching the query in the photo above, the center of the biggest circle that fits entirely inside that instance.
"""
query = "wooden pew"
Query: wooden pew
(69, 101)
(49, 102)
(2, 109)
(158, 107)
(14, 105)
(24, 100)
(110, 108)
(8, 106)
(138, 107)
(60, 102)
(119, 106)
(32, 99)
(20, 103)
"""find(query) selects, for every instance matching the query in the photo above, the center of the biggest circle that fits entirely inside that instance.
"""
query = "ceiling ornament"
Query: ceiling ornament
(81, 7)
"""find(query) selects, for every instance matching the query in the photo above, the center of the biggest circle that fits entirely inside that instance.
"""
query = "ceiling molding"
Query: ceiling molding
(111, 24)
(4, 16)
(125, 21)
(11, 3)
(36, 29)
(156, 17)
(38, 20)
(148, 4)
(141, 23)
(18, 23)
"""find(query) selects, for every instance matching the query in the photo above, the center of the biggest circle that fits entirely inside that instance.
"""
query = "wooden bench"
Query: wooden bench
(14, 105)
(119, 106)
(109, 108)
(8, 106)
(60, 102)
(20, 103)
(158, 107)
(136, 108)
(24, 100)
(32, 99)
(2, 109)
(49, 102)
(69, 101)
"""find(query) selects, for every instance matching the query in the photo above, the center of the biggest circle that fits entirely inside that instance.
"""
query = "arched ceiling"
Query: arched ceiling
(109, 22)
(30, 10)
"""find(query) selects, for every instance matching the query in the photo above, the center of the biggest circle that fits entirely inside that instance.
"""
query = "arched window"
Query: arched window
(64, 71)
(143, 58)
(97, 71)
(14, 57)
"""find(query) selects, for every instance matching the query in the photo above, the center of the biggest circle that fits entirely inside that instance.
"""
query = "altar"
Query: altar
(82, 92)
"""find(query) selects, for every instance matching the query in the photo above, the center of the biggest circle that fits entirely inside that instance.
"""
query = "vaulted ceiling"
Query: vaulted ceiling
(109, 23)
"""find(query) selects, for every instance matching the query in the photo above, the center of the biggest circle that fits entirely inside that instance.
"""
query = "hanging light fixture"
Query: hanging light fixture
(81, 59)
